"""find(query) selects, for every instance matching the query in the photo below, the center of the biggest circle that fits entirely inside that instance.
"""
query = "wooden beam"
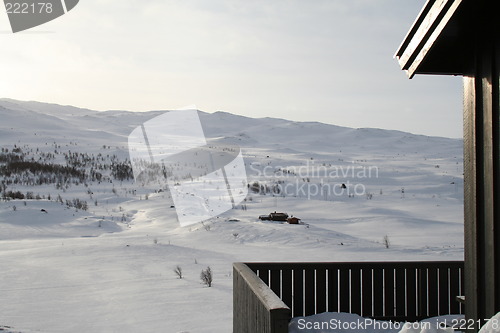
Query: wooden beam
(482, 170)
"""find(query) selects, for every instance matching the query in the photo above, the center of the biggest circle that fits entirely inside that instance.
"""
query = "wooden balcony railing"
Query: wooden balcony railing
(402, 291)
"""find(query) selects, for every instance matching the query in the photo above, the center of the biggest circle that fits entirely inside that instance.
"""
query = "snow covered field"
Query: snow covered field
(108, 266)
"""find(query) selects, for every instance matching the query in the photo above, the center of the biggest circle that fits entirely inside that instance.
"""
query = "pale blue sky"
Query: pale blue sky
(315, 60)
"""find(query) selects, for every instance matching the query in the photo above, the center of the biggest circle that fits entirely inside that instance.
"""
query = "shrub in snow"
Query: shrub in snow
(255, 187)
(178, 271)
(386, 242)
(206, 276)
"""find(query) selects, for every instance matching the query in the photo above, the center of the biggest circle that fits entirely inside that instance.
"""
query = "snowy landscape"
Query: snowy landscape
(85, 248)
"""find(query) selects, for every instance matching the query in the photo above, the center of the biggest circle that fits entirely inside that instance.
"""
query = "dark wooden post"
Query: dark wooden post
(462, 37)
(481, 168)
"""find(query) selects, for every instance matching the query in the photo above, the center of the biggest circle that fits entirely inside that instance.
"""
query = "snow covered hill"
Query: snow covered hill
(86, 249)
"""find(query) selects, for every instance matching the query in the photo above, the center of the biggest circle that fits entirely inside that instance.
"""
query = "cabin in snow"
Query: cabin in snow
(293, 220)
(282, 217)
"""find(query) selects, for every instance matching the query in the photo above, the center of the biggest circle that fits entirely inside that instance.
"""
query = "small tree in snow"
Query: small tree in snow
(178, 271)
(386, 242)
(206, 276)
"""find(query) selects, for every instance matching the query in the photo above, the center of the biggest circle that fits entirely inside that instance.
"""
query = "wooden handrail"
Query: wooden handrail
(402, 291)
(256, 308)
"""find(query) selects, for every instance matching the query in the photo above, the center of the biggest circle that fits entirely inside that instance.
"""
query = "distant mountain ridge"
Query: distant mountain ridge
(31, 122)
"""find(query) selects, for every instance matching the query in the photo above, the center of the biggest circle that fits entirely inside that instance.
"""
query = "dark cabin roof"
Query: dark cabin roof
(278, 214)
(436, 37)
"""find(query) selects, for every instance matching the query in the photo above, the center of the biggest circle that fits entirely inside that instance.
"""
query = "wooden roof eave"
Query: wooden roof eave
(425, 33)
